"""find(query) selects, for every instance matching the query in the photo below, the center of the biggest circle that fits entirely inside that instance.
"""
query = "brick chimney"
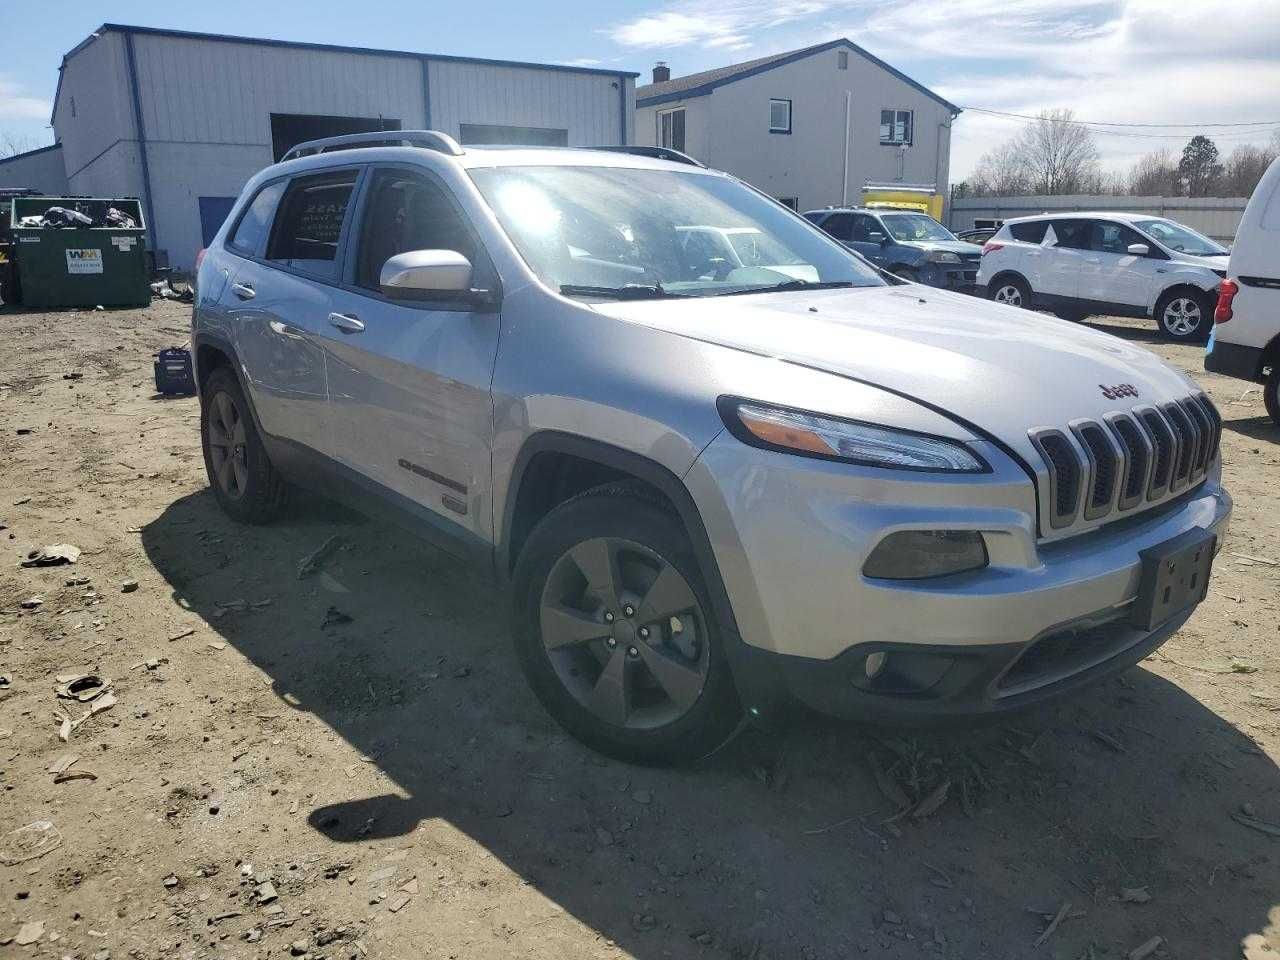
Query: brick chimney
(661, 71)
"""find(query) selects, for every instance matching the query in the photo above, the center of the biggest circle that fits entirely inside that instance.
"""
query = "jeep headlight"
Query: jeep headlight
(849, 441)
(942, 256)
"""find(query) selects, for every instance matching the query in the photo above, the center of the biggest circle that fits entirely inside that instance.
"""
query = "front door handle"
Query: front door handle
(243, 290)
(293, 333)
(347, 323)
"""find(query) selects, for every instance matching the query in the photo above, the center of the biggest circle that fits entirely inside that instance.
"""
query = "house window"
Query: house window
(671, 130)
(896, 127)
(842, 59)
(779, 116)
(791, 202)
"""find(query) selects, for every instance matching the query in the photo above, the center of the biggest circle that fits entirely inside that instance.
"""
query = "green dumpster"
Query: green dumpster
(84, 264)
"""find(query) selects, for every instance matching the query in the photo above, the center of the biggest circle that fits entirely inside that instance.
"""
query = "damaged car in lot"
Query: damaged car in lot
(708, 488)
(908, 244)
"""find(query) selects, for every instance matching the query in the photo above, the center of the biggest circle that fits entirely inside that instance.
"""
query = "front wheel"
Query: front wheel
(1271, 393)
(243, 479)
(1184, 315)
(615, 631)
(1012, 291)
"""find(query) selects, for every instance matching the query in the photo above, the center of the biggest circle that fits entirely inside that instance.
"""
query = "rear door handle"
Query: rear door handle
(347, 323)
(243, 290)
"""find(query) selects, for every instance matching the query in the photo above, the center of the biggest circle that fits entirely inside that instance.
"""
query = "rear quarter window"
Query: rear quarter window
(256, 219)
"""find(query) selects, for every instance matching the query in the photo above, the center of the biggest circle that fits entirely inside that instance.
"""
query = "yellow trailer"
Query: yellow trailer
(903, 196)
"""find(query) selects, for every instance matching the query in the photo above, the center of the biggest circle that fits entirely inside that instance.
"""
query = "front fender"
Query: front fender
(1198, 278)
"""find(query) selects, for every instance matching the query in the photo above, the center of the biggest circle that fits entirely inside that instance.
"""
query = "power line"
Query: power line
(1108, 123)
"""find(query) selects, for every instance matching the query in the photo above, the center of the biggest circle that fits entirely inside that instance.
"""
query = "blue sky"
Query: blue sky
(1137, 61)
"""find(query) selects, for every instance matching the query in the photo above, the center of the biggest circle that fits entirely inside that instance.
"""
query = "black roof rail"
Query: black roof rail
(427, 139)
(657, 153)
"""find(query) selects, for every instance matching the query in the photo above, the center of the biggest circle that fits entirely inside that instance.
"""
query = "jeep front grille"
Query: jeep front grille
(1129, 459)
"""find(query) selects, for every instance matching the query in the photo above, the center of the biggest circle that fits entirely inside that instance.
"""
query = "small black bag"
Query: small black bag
(173, 372)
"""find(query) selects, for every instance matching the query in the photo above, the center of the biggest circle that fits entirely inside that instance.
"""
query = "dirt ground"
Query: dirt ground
(350, 765)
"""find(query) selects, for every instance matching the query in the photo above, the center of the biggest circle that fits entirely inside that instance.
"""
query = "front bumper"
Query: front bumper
(791, 539)
(950, 276)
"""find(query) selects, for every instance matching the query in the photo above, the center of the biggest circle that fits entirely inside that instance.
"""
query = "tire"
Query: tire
(1012, 291)
(243, 479)
(1184, 316)
(666, 700)
(1271, 393)
(905, 273)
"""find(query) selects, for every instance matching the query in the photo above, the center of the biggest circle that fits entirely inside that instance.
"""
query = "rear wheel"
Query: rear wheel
(1012, 291)
(245, 483)
(1071, 316)
(615, 631)
(1271, 393)
(1184, 315)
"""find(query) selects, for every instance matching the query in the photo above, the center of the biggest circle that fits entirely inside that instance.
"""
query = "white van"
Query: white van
(1246, 332)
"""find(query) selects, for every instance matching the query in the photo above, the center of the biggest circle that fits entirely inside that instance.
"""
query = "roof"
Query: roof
(701, 84)
(332, 48)
(30, 153)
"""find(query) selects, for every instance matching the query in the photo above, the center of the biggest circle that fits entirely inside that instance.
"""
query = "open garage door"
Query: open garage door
(477, 134)
(290, 129)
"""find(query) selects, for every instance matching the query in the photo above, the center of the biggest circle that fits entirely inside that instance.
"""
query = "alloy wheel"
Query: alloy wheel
(625, 633)
(227, 445)
(1009, 294)
(1182, 316)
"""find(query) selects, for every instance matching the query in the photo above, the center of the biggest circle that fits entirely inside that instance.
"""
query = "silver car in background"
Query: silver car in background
(710, 486)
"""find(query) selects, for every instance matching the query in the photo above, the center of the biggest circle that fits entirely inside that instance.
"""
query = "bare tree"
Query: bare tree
(1058, 154)
(1244, 167)
(1000, 173)
(1155, 175)
(13, 144)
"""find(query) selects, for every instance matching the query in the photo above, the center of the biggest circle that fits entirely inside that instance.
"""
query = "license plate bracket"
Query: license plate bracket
(1175, 576)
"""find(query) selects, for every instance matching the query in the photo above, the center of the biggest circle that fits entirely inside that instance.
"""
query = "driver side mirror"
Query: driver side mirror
(1139, 250)
(884, 239)
(423, 274)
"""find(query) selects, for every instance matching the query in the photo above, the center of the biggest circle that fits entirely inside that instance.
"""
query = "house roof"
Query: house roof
(701, 84)
(334, 48)
(30, 153)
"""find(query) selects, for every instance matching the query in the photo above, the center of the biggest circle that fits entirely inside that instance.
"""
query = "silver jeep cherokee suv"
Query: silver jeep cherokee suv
(712, 486)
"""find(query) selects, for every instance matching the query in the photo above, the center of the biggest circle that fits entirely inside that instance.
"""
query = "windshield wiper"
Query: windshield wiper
(795, 284)
(632, 291)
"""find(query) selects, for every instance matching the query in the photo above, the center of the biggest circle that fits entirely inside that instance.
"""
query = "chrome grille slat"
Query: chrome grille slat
(1128, 459)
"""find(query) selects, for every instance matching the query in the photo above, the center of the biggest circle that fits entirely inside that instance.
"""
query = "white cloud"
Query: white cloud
(716, 24)
(15, 106)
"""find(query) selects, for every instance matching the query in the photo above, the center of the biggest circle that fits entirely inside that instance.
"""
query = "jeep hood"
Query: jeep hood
(1002, 369)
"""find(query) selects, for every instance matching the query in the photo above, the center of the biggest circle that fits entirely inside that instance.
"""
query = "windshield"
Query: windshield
(624, 232)
(914, 226)
(1182, 239)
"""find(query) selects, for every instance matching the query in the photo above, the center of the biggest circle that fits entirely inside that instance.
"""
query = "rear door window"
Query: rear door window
(308, 228)
(1032, 232)
(839, 225)
(1072, 234)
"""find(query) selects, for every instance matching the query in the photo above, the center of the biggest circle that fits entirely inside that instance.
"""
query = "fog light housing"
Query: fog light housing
(902, 672)
(922, 554)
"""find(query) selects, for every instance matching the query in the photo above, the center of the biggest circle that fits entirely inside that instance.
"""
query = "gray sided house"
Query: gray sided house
(182, 120)
(810, 127)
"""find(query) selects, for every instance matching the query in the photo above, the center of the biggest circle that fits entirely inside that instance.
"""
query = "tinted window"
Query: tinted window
(405, 211)
(256, 219)
(1032, 232)
(309, 225)
(1072, 234)
(1109, 237)
(867, 229)
(839, 225)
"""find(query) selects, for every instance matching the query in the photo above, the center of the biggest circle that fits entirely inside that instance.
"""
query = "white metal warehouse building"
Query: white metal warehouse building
(182, 120)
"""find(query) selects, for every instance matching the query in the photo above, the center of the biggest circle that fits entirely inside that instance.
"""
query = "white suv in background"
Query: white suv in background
(1109, 264)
